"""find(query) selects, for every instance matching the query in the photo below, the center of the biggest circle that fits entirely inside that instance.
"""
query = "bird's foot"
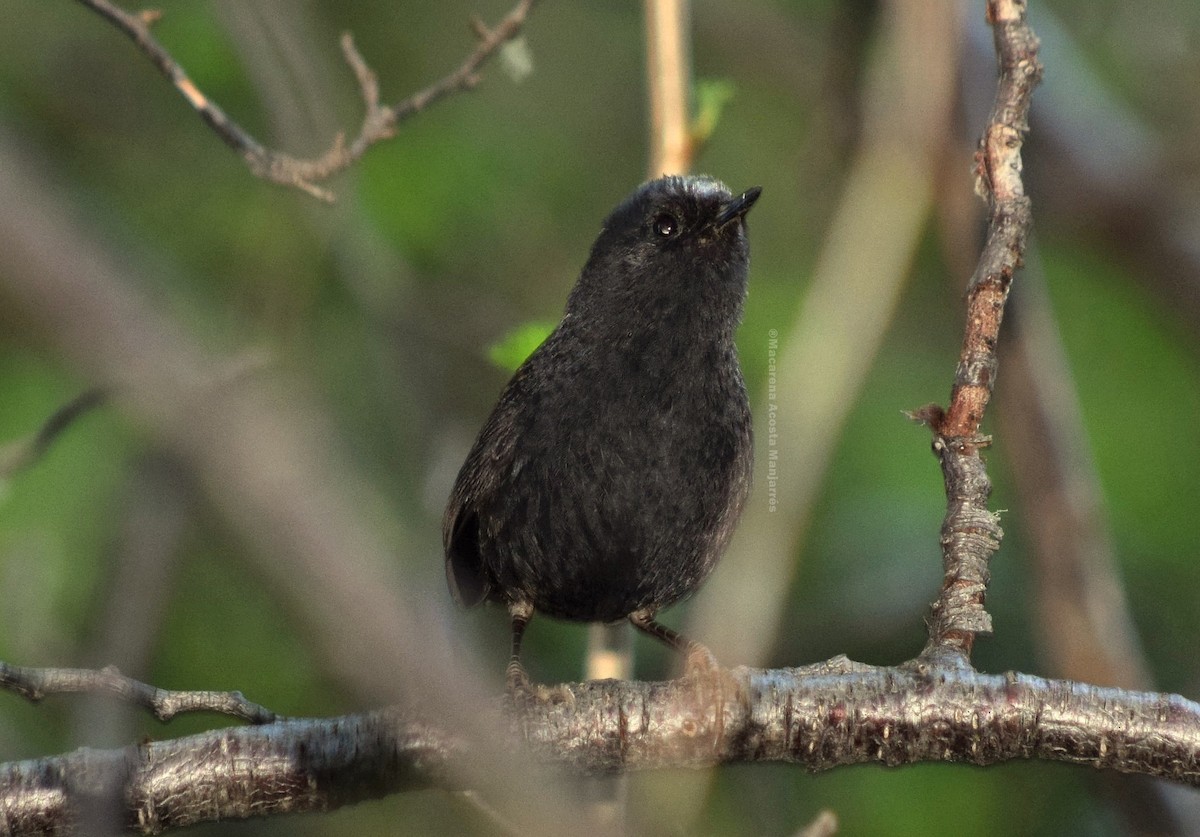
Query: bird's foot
(700, 662)
(523, 692)
(516, 679)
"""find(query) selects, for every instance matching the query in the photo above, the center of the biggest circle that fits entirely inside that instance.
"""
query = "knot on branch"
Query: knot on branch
(970, 537)
(958, 615)
(963, 469)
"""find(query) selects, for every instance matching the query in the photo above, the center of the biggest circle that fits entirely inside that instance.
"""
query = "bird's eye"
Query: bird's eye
(666, 225)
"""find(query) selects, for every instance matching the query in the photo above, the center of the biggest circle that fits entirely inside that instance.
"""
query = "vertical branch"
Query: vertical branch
(669, 82)
(970, 533)
(668, 75)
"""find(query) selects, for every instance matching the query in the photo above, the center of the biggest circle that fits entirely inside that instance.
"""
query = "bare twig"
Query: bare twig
(379, 123)
(37, 683)
(21, 454)
(970, 533)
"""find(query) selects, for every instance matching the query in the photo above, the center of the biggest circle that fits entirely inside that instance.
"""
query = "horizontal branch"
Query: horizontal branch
(823, 716)
(36, 683)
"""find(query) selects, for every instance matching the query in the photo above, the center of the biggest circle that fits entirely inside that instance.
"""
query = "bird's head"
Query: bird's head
(677, 240)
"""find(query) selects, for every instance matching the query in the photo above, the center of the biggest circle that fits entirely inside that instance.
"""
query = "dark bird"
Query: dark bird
(609, 477)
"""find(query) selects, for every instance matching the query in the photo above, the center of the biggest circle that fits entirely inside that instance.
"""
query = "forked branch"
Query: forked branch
(379, 122)
(38, 683)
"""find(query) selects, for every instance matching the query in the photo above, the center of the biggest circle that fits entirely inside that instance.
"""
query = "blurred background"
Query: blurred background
(295, 384)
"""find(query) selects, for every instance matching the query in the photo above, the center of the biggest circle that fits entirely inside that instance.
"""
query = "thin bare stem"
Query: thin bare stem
(36, 683)
(669, 81)
(19, 455)
(379, 123)
(970, 532)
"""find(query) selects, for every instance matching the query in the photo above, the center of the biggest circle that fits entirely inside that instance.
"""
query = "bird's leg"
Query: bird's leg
(699, 660)
(520, 612)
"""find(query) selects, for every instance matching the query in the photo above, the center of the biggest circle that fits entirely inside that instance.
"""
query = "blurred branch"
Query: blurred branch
(24, 453)
(669, 81)
(269, 462)
(970, 533)
(1108, 175)
(379, 123)
(820, 717)
(1086, 629)
(36, 683)
(668, 74)
(17, 456)
(132, 600)
(824, 355)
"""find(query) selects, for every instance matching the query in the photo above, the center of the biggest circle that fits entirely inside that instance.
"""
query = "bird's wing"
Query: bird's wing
(482, 475)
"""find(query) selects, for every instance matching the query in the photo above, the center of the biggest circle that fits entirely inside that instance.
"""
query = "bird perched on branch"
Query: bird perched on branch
(609, 477)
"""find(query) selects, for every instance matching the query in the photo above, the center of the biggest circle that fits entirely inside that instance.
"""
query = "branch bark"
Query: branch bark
(934, 709)
(970, 532)
(820, 717)
(36, 683)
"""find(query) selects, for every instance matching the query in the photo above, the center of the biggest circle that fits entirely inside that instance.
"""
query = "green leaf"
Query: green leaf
(511, 350)
(517, 59)
(712, 95)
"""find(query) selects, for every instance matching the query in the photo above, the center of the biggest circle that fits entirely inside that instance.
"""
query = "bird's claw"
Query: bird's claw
(516, 679)
(700, 662)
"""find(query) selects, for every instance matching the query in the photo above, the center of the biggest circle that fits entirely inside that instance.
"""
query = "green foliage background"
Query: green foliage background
(474, 222)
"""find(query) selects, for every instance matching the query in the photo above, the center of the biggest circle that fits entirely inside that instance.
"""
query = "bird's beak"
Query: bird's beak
(738, 207)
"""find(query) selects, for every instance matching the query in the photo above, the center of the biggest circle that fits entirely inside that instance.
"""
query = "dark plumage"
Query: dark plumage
(609, 477)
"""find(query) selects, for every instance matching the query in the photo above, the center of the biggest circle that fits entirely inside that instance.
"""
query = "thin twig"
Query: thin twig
(24, 453)
(970, 533)
(37, 683)
(21, 454)
(669, 81)
(379, 123)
